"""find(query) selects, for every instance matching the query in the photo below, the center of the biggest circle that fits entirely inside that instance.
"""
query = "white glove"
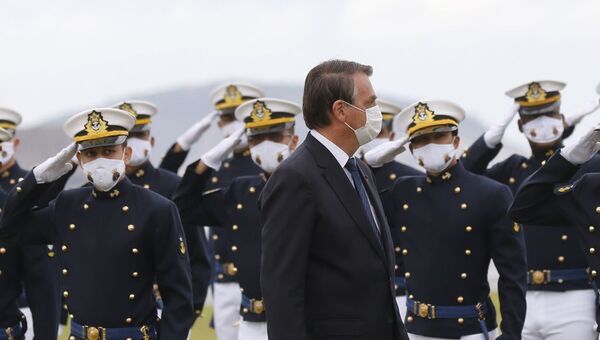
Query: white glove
(584, 149)
(55, 167)
(493, 136)
(191, 135)
(215, 156)
(584, 111)
(385, 152)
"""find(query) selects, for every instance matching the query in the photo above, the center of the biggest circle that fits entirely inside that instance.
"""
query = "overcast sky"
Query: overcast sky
(59, 55)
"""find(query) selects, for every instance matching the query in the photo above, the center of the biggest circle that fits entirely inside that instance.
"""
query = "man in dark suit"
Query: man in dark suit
(328, 259)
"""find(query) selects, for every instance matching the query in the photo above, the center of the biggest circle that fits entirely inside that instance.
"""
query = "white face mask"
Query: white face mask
(370, 146)
(372, 126)
(544, 129)
(140, 150)
(435, 158)
(268, 154)
(104, 173)
(232, 127)
(7, 151)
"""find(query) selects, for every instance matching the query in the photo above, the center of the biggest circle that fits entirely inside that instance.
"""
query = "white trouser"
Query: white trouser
(401, 302)
(560, 315)
(27, 312)
(227, 301)
(253, 331)
(493, 335)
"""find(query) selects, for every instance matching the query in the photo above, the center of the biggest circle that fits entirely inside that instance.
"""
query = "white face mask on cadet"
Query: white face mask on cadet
(7, 151)
(372, 127)
(435, 158)
(232, 127)
(268, 154)
(104, 173)
(140, 151)
(544, 129)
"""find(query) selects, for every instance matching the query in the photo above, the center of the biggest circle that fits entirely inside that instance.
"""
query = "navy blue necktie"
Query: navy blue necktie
(362, 194)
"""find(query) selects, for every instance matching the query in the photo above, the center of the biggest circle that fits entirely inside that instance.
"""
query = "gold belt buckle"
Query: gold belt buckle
(425, 310)
(92, 333)
(257, 306)
(540, 277)
(144, 331)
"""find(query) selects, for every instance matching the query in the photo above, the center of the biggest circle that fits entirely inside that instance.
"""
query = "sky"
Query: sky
(65, 54)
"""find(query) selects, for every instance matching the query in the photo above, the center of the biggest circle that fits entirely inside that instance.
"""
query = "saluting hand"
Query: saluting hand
(55, 167)
(493, 136)
(584, 111)
(191, 135)
(584, 149)
(386, 152)
(215, 156)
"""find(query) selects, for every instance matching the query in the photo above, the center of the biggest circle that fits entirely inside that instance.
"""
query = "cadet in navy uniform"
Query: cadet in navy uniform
(452, 223)
(559, 297)
(226, 290)
(116, 238)
(140, 171)
(385, 176)
(41, 303)
(269, 125)
(13, 323)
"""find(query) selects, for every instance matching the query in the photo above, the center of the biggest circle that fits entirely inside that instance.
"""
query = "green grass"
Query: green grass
(200, 331)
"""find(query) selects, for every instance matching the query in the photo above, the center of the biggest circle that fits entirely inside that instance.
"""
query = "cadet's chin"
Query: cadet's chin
(545, 146)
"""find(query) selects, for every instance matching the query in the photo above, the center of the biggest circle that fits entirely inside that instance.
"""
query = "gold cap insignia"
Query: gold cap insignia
(535, 93)
(127, 107)
(95, 124)
(423, 114)
(260, 111)
(232, 96)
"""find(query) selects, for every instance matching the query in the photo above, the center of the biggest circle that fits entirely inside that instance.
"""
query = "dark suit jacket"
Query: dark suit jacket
(324, 273)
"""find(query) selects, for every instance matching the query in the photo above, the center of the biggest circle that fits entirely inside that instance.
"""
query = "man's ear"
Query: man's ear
(78, 155)
(456, 141)
(294, 142)
(520, 124)
(152, 141)
(392, 135)
(127, 156)
(16, 143)
(337, 109)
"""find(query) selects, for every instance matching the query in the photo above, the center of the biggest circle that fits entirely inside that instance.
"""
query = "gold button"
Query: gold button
(407, 275)
(524, 165)
(564, 237)
(395, 267)
(543, 162)
(239, 206)
(234, 227)
(71, 338)
(135, 250)
(468, 252)
(592, 250)
(146, 186)
(2, 250)
(234, 248)
(516, 227)
(131, 227)
(468, 229)
(252, 189)
(457, 190)
(405, 207)
(594, 273)
(64, 248)
(135, 274)
(397, 249)
(220, 276)
(71, 226)
(460, 299)
(409, 319)
(598, 210)
(463, 276)
(217, 257)
(65, 271)
(215, 237)
(226, 165)
(245, 310)
(419, 189)
(125, 208)
(463, 206)
(214, 179)
(128, 320)
(403, 229)
(85, 206)
(66, 293)
(410, 296)
(561, 259)
(591, 229)
(20, 179)
(561, 281)
(461, 320)
(392, 177)
(19, 189)
(404, 251)
(131, 296)
(512, 180)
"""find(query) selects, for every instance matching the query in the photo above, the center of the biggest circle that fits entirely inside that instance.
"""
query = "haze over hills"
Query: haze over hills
(179, 108)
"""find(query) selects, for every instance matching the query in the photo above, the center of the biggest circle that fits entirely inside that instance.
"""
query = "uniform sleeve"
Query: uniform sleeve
(172, 160)
(536, 201)
(23, 222)
(173, 275)
(288, 216)
(478, 156)
(508, 253)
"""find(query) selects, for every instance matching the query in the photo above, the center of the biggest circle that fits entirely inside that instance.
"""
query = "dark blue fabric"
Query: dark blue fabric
(362, 194)
(133, 333)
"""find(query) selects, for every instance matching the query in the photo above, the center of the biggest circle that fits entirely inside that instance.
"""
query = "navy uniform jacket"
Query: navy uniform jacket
(385, 176)
(114, 246)
(325, 274)
(39, 272)
(235, 208)
(172, 160)
(547, 249)
(544, 200)
(451, 226)
(165, 183)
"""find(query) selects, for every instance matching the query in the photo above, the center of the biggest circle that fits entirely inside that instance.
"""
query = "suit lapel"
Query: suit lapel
(337, 179)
